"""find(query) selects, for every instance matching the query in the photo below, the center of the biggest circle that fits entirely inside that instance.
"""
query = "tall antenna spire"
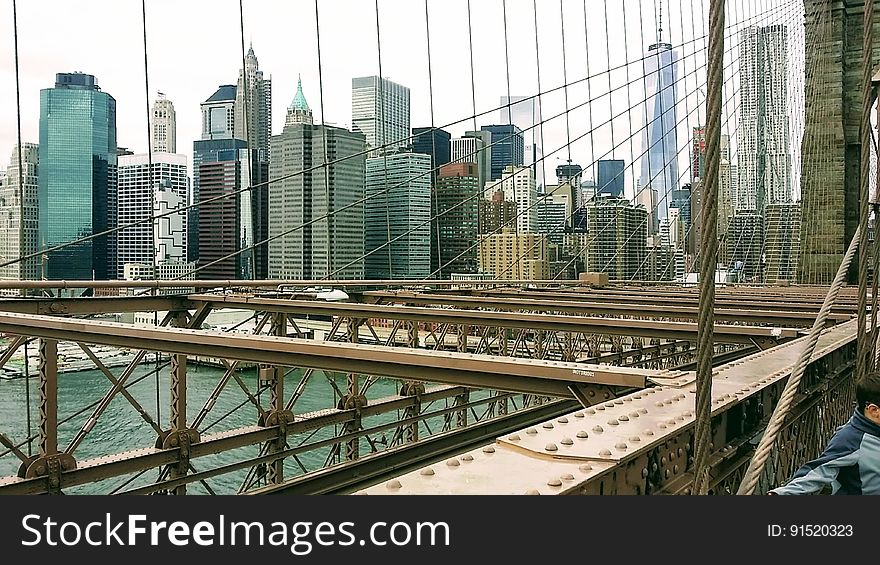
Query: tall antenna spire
(660, 25)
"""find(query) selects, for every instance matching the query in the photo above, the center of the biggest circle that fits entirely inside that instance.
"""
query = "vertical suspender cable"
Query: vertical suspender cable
(330, 222)
(248, 137)
(435, 174)
(152, 189)
(21, 218)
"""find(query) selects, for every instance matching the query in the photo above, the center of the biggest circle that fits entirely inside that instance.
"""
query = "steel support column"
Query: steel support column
(353, 396)
(178, 435)
(48, 397)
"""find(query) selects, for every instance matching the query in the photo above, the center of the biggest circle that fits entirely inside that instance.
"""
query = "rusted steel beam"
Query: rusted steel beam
(148, 458)
(634, 306)
(548, 322)
(484, 371)
(94, 305)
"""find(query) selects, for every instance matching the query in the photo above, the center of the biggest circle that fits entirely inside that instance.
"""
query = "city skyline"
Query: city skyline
(402, 61)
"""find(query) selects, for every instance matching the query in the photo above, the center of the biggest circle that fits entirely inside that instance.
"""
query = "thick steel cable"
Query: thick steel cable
(709, 249)
(768, 440)
(27, 383)
(862, 344)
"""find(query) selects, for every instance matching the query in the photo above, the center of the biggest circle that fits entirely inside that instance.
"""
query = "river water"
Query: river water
(121, 428)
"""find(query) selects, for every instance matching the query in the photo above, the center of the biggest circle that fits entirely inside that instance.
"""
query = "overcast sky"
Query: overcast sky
(195, 46)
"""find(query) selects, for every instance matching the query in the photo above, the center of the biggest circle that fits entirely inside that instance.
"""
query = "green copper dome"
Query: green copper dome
(299, 101)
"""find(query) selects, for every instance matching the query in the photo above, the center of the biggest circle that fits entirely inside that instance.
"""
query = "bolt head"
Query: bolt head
(393, 485)
(452, 463)
(514, 437)
(467, 458)
(554, 483)
(427, 472)
(566, 441)
(488, 449)
(532, 491)
(562, 420)
(547, 426)
(598, 429)
(551, 447)
(582, 435)
(605, 453)
(567, 477)
(586, 468)
(531, 431)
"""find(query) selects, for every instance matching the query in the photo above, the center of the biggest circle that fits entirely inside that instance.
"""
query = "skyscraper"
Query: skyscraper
(77, 180)
(16, 239)
(253, 99)
(745, 246)
(218, 131)
(437, 144)
(140, 193)
(698, 153)
(253, 124)
(619, 244)
(223, 227)
(458, 198)
(316, 219)
(518, 185)
(552, 217)
(506, 148)
(763, 134)
(434, 142)
(496, 213)
(659, 139)
(228, 229)
(525, 113)
(473, 147)
(782, 232)
(299, 112)
(397, 214)
(514, 256)
(164, 124)
(610, 177)
(380, 111)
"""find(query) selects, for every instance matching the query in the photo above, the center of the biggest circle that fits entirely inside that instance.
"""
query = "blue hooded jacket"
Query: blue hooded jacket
(850, 463)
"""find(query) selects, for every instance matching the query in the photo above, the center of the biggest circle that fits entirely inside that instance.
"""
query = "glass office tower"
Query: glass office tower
(77, 184)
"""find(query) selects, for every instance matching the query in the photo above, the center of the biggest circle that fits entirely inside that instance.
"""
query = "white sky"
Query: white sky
(195, 45)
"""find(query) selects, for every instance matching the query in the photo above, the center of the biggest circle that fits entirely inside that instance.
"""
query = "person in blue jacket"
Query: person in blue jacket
(850, 463)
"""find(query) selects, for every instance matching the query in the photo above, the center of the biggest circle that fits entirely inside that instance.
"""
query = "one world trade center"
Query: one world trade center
(659, 141)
